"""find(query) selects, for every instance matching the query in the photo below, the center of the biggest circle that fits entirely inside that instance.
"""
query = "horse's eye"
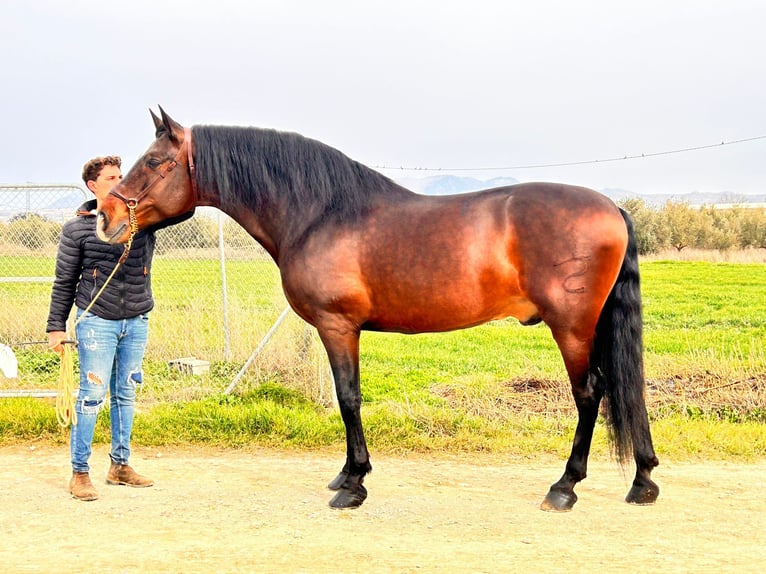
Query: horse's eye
(153, 163)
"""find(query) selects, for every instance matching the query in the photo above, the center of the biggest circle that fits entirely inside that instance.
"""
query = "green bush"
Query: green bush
(30, 230)
(195, 233)
(679, 225)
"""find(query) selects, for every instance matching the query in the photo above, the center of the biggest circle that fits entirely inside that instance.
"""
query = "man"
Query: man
(111, 336)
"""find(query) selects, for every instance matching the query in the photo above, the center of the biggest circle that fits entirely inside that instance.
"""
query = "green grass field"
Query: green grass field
(499, 387)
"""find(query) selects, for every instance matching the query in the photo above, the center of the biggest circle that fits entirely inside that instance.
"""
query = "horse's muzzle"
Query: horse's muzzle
(103, 232)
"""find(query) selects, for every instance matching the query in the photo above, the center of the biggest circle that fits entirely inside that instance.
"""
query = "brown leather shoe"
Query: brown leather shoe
(124, 474)
(81, 487)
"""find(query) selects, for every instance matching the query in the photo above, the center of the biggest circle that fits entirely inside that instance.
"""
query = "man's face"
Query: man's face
(109, 177)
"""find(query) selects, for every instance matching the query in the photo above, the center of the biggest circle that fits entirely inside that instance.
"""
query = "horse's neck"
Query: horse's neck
(264, 234)
(274, 227)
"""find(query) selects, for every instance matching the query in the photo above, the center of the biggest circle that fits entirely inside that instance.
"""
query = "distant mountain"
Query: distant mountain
(617, 194)
(691, 198)
(69, 202)
(449, 184)
(54, 202)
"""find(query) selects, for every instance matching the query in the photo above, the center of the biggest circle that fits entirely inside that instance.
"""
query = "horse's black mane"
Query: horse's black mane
(260, 167)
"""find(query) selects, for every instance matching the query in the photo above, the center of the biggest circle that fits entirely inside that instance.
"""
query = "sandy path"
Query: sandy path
(266, 511)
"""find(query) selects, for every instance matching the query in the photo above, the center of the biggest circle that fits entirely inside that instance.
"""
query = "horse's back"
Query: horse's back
(440, 263)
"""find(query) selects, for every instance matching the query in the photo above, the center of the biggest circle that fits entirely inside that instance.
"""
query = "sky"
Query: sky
(480, 88)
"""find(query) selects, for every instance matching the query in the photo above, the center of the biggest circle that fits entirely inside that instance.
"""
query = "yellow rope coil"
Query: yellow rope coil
(65, 397)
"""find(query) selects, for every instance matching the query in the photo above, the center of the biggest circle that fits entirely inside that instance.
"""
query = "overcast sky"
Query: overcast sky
(439, 84)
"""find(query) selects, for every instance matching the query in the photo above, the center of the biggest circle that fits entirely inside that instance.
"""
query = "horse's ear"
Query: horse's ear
(174, 129)
(158, 127)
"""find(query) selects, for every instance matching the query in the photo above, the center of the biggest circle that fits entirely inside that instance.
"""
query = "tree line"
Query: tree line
(674, 225)
(678, 225)
(35, 232)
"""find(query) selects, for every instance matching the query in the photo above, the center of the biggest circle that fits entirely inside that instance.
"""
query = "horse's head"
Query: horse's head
(160, 185)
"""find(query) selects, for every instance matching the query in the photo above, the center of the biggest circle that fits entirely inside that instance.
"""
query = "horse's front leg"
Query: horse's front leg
(343, 352)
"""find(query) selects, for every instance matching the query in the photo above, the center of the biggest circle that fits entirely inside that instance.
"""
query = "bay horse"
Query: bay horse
(356, 251)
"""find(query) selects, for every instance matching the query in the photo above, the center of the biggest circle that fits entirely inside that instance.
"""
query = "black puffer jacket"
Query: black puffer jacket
(84, 262)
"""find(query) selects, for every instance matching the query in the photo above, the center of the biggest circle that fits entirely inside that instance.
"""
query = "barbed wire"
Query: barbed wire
(573, 163)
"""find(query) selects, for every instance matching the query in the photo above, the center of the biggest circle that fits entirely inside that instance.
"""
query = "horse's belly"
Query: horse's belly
(434, 316)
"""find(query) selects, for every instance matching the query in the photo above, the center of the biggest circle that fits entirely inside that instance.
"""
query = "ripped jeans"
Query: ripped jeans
(111, 353)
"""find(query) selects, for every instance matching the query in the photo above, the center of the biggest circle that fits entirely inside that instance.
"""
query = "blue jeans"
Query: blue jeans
(111, 353)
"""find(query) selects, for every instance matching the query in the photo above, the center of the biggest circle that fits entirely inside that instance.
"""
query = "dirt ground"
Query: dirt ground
(266, 511)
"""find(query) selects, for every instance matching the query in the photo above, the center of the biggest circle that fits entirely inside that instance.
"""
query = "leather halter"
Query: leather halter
(132, 202)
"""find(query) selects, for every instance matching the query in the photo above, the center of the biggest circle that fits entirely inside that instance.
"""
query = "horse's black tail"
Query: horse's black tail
(617, 357)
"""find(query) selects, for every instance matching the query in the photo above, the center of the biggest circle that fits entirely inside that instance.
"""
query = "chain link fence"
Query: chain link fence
(217, 294)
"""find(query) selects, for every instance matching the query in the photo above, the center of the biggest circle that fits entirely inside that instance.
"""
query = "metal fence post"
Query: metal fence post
(224, 291)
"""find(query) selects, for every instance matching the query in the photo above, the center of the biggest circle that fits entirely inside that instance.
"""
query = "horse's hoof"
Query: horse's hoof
(558, 501)
(337, 482)
(346, 498)
(643, 494)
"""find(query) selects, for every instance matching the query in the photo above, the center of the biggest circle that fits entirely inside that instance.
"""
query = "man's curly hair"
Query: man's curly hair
(91, 169)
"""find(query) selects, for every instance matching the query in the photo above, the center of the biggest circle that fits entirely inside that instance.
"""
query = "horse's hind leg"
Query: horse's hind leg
(643, 490)
(343, 352)
(587, 395)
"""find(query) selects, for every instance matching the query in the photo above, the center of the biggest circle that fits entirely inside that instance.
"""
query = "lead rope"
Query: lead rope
(65, 394)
